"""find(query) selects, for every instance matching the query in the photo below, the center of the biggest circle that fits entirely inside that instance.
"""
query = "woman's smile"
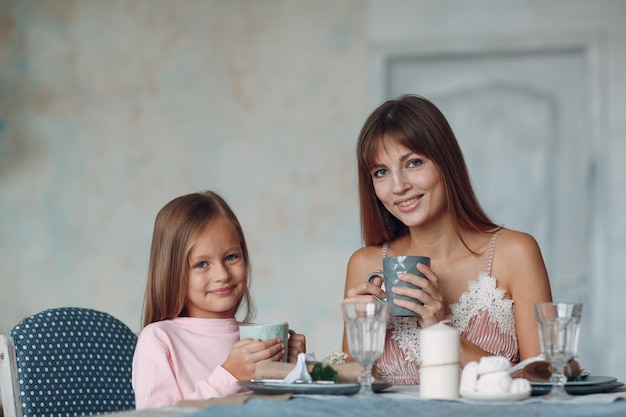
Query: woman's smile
(410, 204)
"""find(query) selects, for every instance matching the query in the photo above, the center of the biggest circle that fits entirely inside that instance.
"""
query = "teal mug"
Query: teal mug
(265, 331)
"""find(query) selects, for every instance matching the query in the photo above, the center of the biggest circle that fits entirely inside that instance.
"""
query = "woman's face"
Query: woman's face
(408, 184)
(217, 272)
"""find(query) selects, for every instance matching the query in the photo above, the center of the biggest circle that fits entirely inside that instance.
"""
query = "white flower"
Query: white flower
(335, 357)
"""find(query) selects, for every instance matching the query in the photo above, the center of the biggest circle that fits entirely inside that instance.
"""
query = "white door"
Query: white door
(521, 114)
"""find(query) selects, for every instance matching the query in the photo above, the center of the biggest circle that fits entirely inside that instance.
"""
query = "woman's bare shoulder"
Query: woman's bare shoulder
(362, 262)
(518, 258)
(366, 253)
(513, 244)
(367, 258)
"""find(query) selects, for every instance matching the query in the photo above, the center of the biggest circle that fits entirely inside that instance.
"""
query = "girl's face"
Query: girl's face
(217, 272)
(408, 184)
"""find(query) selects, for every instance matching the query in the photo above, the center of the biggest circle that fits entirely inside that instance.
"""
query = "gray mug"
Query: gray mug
(391, 266)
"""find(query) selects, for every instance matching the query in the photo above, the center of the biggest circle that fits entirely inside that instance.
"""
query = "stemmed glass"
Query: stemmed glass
(366, 326)
(559, 326)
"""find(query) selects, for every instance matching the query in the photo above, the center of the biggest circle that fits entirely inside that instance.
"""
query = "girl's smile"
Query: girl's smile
(224, 291)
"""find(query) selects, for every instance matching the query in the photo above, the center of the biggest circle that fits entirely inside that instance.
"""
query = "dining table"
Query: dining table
(401, 403)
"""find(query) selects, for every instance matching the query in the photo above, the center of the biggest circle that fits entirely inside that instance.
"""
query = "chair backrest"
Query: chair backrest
(69, 362)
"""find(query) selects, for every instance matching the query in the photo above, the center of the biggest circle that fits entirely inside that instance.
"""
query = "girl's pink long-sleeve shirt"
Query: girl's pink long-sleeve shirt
(181, 359)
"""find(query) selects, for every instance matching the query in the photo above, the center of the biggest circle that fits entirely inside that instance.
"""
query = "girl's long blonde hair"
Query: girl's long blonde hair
(175, 228)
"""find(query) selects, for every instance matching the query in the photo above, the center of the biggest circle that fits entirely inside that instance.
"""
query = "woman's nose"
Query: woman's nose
(400, 183)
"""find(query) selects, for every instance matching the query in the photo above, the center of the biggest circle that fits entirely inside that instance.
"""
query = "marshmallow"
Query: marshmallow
(519, 385)
(490, 376)
(469, 376)
(489, 364)
(494, 383)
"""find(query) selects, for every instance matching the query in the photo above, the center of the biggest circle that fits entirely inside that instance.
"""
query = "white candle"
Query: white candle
(441, 356)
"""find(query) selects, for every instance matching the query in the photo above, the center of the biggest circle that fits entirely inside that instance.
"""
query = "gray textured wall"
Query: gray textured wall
(109, 109)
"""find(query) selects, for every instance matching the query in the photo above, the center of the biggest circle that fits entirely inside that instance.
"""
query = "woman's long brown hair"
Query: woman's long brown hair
(416, 123)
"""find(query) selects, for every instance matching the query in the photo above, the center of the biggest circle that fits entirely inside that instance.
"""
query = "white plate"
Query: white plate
(590, 380)
(270, 387)
(591, 385)
(505, 397)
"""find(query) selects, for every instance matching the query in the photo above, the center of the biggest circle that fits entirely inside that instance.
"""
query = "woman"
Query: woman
(416, 199)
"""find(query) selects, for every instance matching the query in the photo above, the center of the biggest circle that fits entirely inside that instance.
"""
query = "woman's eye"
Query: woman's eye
(201, 265)
(415, 162)
(380, 173)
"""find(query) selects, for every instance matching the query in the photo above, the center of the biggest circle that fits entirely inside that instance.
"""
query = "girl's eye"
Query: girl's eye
(201, 265)
(232, 257)
(380, 173)
(415, 162)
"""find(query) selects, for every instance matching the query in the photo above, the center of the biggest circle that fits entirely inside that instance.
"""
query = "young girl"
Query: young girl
(189, 347)
(416, 199)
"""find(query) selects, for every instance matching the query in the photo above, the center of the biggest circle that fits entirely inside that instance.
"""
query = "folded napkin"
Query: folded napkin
(541, 371)
(346, 372)
(299, 373)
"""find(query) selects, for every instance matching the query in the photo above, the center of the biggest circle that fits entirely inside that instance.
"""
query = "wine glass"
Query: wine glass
(366, 326)
(558, 325)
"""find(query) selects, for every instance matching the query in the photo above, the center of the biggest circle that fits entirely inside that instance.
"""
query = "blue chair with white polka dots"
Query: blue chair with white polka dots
(66, 362)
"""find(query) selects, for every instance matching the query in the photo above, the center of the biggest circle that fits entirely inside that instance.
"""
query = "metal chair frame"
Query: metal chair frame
(9, 382)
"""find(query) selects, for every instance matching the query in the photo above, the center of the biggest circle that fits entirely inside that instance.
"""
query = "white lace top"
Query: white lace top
(483, 316)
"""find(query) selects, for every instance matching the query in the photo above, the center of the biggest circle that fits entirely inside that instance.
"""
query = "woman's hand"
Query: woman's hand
(246, 353)
(433, 309)
(365, 290)
(297, 345)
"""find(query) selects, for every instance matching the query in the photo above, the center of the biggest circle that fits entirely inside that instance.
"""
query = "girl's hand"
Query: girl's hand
(433, 309)
(246, 353)
(297, 345)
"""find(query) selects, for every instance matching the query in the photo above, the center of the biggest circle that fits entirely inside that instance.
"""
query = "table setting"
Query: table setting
(365, 326)
(555, 375)
(299, 380)
(485, 388)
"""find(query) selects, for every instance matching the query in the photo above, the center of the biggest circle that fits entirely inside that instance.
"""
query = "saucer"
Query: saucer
(503, 397)
(591, 385)
(273, 387)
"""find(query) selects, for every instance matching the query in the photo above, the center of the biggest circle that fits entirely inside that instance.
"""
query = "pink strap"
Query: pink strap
(492, 248)
(385, 248)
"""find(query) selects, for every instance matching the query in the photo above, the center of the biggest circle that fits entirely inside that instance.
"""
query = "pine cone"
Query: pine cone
(541, 371)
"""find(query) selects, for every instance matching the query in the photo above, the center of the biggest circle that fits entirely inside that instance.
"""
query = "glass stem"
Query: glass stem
(558, 380)
(366, 379)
